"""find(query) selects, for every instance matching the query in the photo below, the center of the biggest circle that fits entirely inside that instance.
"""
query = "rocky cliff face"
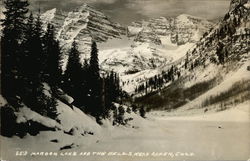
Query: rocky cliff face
(148, 35)
(84, 25)
(179, 30)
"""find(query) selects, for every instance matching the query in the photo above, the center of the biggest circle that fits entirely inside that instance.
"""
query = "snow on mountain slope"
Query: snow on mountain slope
(75, 120)
(130, 61)
(139, 61)
(70, 119)
(83, 25)
(131, 81)
(182, 29)
(230, 79)
(25, 114)
(152, 46)
(132, 58)
(83, 20)
(48, 16)
(148, 35)
(178, 52)
(206, 77)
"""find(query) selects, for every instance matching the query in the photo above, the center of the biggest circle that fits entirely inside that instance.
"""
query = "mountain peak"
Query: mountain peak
(87, 8)
(187, 17)
(48, 15)
(184, 15)
(186, 27)
(83, 25)
(84, 6)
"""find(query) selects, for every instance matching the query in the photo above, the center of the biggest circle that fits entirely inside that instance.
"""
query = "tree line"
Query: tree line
(32, 56)
(93, 92)
(158, 81)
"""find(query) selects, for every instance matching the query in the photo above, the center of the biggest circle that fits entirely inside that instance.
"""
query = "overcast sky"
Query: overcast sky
(126, 11)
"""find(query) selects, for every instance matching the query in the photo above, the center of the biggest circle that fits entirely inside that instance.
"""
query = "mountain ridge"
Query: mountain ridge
(202, 74)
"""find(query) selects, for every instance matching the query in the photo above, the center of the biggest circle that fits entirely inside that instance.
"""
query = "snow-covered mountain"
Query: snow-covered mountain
(84, 21)
(180, 30)
(152, 45)
(83, 25)
(215, 72)
(137, 51)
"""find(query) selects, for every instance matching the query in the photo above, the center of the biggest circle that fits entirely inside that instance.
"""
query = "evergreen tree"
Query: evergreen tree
(85, 84)
(134, 108)
(129, 110)
(142, 112)
(33, 63)
(52, 56)
(171, 73)
(77, 80)
(30, 83)
(112, 90)
(97, 109)
(73, 69)
(12, 36)
(27, 47)
(37, 50)
(115, 116)
(220, 53)
(22, 50)
(120, 117)
(94, 62)
(33, 59)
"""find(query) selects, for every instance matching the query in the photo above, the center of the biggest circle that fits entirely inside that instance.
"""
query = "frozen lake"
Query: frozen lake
(158, 138)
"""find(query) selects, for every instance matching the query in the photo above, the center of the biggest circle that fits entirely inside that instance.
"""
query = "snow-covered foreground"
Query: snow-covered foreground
(217, 136)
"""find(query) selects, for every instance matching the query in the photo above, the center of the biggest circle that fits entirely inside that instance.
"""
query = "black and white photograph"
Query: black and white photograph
(125, 80)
